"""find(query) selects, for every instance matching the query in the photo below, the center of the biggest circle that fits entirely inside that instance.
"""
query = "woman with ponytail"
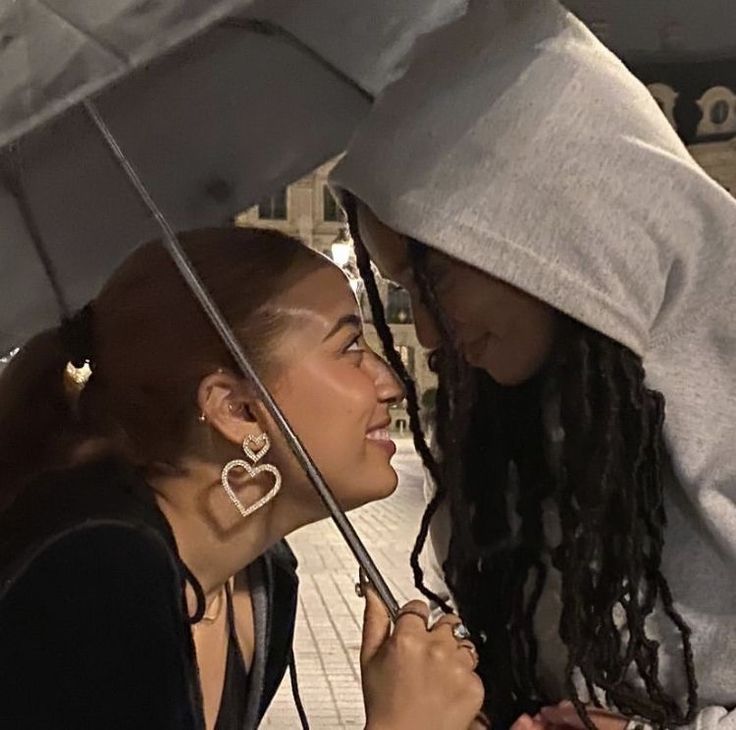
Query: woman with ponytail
(145, 494)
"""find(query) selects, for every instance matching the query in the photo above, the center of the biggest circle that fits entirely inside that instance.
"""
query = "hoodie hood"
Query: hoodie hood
(517, 143)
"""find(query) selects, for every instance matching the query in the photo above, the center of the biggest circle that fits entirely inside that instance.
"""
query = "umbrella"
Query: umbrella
(213, 103)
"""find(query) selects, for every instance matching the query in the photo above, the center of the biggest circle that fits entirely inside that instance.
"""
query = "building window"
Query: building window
(719, 112)
(718, 105)
(274, 207)
(398, 310)
(406, 354)
(331, 211)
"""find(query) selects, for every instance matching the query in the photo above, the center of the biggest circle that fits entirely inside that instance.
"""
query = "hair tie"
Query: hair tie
(77, 337)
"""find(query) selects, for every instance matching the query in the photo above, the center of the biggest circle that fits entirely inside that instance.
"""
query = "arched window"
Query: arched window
(718, 105)
(719, 112)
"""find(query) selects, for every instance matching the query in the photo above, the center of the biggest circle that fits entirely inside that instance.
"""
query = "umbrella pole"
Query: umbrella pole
(213, 313)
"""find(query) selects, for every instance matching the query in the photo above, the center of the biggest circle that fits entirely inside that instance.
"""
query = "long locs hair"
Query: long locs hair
(582, 441)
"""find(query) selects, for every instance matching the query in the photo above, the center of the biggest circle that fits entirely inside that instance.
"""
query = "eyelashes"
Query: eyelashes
(354, 346)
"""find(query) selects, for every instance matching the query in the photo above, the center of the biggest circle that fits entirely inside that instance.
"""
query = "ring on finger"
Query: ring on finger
(461, 632)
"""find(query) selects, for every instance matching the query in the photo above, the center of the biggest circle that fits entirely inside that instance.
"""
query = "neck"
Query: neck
(213, 539)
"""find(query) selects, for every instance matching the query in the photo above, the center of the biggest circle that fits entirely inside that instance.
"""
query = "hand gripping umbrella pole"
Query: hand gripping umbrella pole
(212, 311)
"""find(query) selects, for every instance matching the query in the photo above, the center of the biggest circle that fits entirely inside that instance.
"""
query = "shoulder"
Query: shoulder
(97, 500)
(91, 563)
(93, 633)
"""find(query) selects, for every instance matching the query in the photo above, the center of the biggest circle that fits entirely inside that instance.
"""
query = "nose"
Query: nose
(389, 389)
(424, 324)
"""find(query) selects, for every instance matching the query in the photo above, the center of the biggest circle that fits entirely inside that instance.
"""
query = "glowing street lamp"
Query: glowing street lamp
(342, 248)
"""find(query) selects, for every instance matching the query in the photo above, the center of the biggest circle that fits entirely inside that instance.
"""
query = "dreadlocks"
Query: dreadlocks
(585, 437)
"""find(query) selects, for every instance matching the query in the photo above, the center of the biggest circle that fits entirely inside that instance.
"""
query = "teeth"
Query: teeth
(378, 435)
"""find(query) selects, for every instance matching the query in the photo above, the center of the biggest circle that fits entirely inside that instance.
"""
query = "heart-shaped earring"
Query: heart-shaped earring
(263, 444)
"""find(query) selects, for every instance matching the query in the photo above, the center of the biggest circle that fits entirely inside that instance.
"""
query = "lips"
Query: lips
(381, 438)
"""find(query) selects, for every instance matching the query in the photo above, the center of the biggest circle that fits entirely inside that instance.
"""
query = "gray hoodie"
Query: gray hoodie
(518, 144)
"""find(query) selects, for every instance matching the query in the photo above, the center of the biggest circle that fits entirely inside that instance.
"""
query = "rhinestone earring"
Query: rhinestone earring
(261, 444)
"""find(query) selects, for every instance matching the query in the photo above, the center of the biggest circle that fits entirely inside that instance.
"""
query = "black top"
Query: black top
(232, 709)
(93, 625)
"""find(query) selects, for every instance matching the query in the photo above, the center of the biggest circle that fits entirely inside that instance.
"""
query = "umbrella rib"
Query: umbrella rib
(215, 315)
(266, 27)
(11, 177)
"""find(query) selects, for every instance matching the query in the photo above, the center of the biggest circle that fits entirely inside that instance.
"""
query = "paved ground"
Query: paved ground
(327, 639)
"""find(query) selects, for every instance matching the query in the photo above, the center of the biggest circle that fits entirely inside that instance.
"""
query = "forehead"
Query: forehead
(319, 297)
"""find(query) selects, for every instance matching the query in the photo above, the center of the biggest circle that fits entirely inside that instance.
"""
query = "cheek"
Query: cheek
(330, 405)
(474, 304)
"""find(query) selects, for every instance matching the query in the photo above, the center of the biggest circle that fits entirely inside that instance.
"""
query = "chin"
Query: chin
(508, 376)
(376, 490)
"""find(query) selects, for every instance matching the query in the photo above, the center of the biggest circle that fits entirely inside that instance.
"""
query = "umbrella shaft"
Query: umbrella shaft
(195, 284)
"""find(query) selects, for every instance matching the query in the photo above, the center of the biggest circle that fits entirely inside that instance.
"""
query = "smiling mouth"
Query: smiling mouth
(382, 438)
(379, 434)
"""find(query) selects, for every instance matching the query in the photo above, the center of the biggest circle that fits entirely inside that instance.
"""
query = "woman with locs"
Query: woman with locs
(574, 271)
(144, 579)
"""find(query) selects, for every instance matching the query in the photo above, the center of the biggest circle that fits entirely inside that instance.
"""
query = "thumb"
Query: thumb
(376, 626)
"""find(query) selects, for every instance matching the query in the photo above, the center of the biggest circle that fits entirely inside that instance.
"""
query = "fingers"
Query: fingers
(376, 625)
(468, 648)
(413, 616)
(444, 626)
(446, 621)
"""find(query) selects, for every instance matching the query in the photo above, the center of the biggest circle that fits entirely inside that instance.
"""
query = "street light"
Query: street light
(342, 248)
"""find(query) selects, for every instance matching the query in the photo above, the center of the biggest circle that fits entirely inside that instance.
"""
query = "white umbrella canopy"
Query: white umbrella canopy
(203, 107)
(212, 108)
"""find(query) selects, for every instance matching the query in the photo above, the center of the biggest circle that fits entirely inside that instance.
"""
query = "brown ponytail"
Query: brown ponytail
(36, 411)
(152, 345)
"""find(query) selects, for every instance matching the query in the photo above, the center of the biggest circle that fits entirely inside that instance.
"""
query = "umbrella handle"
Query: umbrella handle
(212, 311)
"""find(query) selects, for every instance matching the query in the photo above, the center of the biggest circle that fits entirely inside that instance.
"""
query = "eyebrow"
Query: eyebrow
(348, 320)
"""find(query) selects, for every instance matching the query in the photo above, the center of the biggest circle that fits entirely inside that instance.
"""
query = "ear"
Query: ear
(227, 405)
